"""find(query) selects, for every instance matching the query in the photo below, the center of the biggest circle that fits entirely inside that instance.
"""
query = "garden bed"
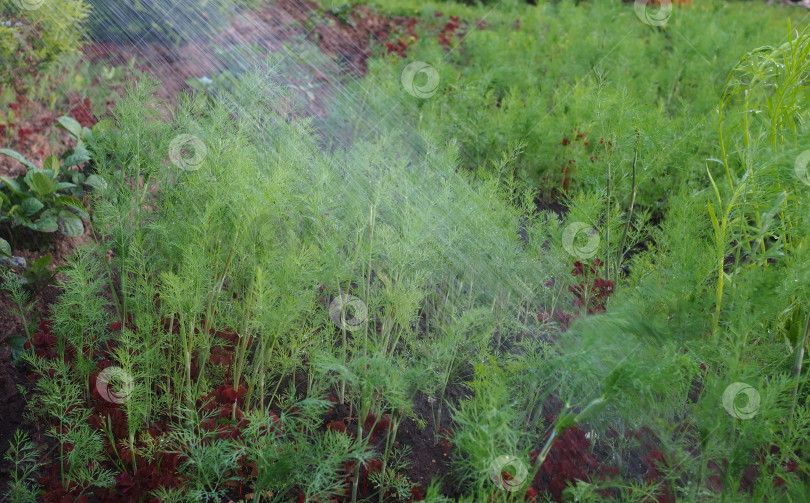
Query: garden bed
(412, 251)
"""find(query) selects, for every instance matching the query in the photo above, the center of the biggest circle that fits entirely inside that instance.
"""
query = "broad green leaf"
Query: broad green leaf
(76, 156)
(16, 156)
(70, 125)
(70, 224)
(40, 183)
(63, 185)
(73, 204)
(17, 345)
(5, 248)
(28, 177)
(31, 205)
(71, 201)
(51, 166)
(16, 341)
(96, 182)
(44, 224)
(42, 262)
(13, 185)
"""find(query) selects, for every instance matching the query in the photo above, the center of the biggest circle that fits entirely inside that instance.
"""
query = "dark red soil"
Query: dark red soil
(12, 402)
(430, 458)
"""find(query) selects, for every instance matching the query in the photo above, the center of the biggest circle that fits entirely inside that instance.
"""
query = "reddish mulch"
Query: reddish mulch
(12, 402)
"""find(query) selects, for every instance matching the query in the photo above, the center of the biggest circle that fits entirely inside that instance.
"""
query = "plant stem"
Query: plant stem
(629, 215)
(132, 449)
(797, 367)
(356, 480)
(342, 393)
(607, 223)
(388, 442)
(209, 314)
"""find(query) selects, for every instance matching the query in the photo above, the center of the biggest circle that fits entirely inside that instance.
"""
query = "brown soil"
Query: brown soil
(37, 145)
(429, 459)
(287, 27)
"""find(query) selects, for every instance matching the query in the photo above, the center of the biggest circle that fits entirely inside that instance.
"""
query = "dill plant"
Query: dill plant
(22, 301)
(23, 454)
(452, 266)
(486, 427)
(585, 67)
(59, 398)
(456, 344)
(715, 299)
(247, 242)
(79, 318)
